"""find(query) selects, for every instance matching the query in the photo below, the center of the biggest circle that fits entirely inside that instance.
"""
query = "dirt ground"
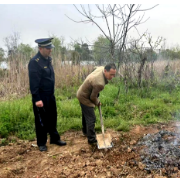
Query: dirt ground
(22, 159)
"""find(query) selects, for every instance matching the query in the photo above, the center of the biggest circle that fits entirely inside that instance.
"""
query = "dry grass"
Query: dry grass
(70, 75)
(159, 68)
(14, 83)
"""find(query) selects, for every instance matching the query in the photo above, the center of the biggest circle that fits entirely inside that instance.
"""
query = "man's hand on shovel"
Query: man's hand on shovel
(99, 104)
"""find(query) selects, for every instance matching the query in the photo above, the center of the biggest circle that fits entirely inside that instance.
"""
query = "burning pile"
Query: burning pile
(161, 150)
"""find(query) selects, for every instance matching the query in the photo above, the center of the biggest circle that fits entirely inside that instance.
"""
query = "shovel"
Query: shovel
(103, 140)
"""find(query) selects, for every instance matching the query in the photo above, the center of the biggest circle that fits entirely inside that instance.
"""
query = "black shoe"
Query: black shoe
(59, 143)
(94, 142)
(43, 148)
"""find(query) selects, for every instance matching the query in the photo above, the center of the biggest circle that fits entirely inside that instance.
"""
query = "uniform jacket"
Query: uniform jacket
(41, 76)
(88, 92)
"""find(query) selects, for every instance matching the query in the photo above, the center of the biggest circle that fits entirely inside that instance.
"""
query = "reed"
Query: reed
(14, 82)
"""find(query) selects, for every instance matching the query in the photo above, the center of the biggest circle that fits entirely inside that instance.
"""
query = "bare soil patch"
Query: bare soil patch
(80, 160)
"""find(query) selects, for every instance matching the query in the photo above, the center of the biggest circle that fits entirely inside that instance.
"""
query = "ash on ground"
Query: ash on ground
(161, 150)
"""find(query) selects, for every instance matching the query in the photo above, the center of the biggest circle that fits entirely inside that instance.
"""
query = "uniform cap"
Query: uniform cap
(45, 42)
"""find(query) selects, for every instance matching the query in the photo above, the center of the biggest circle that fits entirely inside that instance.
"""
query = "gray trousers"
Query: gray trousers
(88, 122)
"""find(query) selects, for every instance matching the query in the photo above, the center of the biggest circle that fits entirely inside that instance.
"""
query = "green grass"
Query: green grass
(144, 107)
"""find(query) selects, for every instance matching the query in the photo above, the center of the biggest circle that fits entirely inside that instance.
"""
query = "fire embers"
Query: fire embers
(161, 150)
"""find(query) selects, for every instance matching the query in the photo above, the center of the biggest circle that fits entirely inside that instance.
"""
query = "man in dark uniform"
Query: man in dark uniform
(41, 79)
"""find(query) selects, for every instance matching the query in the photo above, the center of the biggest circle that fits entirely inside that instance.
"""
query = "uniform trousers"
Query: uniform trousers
(46, 119)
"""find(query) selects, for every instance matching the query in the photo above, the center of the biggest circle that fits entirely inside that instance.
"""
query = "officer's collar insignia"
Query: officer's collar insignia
(37, 59)
(45, 66)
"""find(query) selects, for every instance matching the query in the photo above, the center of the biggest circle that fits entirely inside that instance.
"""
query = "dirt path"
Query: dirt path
(78, 159)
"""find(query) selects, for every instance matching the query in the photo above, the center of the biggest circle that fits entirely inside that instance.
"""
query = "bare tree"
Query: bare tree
(14, 58)
(119, 19)
(145, 51)
(11, 42)
(153, 46)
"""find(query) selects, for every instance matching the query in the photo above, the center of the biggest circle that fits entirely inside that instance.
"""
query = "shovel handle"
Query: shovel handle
(101, 120)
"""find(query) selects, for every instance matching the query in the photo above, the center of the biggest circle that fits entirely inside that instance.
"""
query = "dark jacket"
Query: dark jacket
(41, 76)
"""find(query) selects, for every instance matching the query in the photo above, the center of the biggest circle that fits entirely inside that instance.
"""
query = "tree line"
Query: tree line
(98, 52)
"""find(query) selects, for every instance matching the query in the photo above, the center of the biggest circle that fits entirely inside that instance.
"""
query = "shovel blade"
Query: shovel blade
(105, 142)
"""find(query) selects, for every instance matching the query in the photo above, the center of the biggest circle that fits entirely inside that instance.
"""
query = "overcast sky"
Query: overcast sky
(33, 21)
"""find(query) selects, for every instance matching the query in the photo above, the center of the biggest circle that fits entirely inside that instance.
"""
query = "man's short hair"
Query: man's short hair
(110, 66)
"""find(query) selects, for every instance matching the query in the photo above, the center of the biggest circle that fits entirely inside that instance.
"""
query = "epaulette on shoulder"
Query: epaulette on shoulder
(37, 59)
